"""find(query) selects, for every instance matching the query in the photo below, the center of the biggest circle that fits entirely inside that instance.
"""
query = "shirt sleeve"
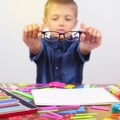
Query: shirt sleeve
(83, 57)
(36, 57)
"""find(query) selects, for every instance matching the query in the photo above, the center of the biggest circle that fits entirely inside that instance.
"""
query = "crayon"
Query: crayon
(4, 97)
(45, 111)
(93, 86)
(7, 100)
(68, 112)
(69, 86)
(13, 87)
(23, 94)
(85, 114)
(78, 117)
(69, 106)
(4, 85)
(9, 104)
(48, 108)
(55, 114)
(81, 109)
(13, 108)
(16, 118)
(86, 119)
(87, 86)
(100, 108)
(49, 116)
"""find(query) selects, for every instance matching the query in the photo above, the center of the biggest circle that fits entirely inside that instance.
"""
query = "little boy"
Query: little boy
(60, 56)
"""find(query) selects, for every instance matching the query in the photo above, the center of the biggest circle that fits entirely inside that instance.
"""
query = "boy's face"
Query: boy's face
(61, 18)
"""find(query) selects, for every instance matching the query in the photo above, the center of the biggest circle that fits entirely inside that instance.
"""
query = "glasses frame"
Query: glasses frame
(58, 38)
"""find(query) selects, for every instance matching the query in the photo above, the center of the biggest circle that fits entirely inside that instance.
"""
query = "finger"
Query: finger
(99, 35)
(98, 38)
(41, 28)
(82, 37)
(35, 31)
(39, 35)
(25, 32)
(89, 34)
(94, 35)
(30, 30)
(83, 27)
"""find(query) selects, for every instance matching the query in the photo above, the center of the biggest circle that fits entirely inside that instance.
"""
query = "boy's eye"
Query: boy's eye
(68, 19)
(54, 19)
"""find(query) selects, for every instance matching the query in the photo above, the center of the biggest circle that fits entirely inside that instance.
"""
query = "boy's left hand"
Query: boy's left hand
(90, 38)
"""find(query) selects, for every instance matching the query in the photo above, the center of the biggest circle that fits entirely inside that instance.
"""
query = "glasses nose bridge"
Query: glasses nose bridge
(60, 34)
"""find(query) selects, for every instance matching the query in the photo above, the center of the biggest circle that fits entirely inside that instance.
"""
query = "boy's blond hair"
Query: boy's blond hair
(60, 2)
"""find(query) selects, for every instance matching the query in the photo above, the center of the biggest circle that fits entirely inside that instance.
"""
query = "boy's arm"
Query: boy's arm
(89, 39)
(31, 37)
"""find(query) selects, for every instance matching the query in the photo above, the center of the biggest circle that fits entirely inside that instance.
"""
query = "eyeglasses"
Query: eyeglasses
(53, 36)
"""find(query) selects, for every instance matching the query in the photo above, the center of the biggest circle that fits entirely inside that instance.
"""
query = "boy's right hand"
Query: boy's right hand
(31, 35)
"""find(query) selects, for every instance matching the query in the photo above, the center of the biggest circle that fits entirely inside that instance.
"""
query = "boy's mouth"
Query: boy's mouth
(60, 30)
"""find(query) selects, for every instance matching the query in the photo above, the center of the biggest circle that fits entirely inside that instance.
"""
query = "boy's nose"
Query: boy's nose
(61, 22)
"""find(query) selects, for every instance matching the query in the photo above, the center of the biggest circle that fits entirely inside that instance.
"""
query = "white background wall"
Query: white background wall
(15, 65)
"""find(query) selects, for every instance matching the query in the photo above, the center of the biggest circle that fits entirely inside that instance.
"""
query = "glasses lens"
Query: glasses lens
(72, 36)
(51, 36)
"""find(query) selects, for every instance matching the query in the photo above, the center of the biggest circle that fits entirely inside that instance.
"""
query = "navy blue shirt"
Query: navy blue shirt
(59, 61)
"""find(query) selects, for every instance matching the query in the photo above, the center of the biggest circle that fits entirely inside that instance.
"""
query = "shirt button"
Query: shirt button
(60, 43)
(59, 50)
(56, 68)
